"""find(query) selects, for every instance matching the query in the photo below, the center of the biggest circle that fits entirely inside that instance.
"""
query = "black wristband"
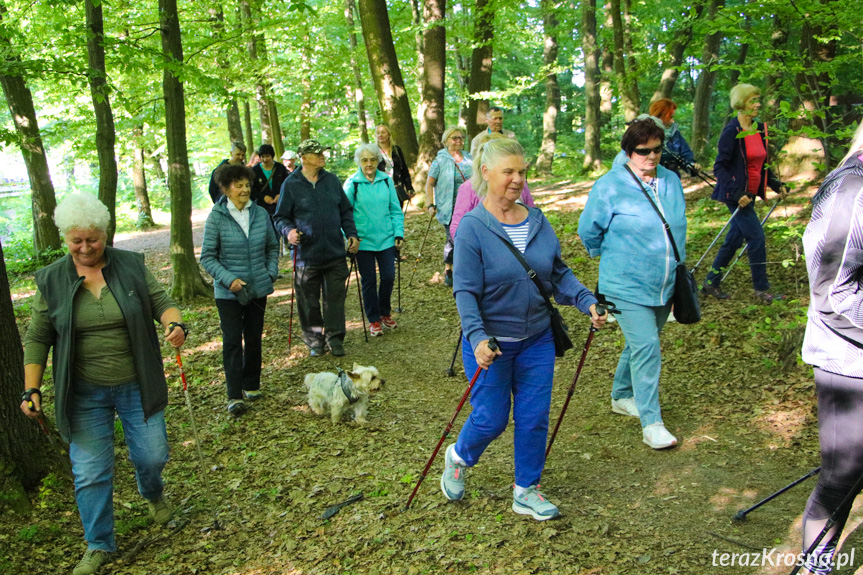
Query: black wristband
(28, 394)
(432, 206)
(181, 325)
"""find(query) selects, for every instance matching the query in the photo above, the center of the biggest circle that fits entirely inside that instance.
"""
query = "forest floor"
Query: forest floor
(733, 391)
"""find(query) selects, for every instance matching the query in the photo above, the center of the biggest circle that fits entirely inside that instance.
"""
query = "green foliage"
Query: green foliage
(21, 258)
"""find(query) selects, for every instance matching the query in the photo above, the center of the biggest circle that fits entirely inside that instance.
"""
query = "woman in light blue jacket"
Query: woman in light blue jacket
(241, 252)
(637, 267)
(380, 226)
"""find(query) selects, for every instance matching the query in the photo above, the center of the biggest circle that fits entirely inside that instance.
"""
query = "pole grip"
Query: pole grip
(492, 344)
(601, 310)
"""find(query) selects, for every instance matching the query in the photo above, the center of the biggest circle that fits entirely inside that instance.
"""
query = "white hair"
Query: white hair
(81, 211)
(373, 149)
(481, 140)
(492, 153)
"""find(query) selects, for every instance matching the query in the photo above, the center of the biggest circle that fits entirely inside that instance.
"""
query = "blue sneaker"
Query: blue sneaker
(535, 504)
(452, 480)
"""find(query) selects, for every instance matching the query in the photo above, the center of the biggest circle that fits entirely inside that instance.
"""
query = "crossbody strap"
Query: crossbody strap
(656, 209)
(531, 274)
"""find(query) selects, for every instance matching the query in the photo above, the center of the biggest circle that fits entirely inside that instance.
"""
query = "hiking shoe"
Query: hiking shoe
(375, 329)
(253, 395)
(452, 480)
(160, 511)
(91, 562)
(656, 436)
(237, 407)
(388, 322)
(708, 289)
(625, 406)
(447, 279)
(532, 502)
(317, 351)
(767, 297)
(337, 348)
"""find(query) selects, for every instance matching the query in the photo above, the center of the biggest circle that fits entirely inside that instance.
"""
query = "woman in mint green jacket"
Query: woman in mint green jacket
(380, 226)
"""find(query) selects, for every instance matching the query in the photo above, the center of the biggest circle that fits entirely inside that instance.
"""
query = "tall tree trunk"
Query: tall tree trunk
(25, 455)
(674, 57)
(306, 89)
(631, 60)
(247, 121)
(480, 66)
(105, 133)
(387, 76)
(188, 282)
(139, 181)
(463, 76)
(235, 126)
(253, 48)
(359, 95)
(434, 78)
(704, 87)
(606, 92)
(417, 21)
(552, 89)
(627, 98)
(592, 78)
(278, 138)
(778, 43)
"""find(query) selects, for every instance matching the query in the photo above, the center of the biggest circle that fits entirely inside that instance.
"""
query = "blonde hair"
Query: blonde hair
(390, 132)
(740, 93)
(856, 144)
(449, 132)
(492, 153)
(80, 211)
(481, 140)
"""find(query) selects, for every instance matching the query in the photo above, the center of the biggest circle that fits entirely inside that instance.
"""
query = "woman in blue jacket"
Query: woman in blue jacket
(637, 267)
(497, 298)
(380, 226)
(742, 173)
(241, 252)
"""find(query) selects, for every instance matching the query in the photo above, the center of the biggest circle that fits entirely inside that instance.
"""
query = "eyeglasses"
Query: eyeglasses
(646, 151)
(457, 138)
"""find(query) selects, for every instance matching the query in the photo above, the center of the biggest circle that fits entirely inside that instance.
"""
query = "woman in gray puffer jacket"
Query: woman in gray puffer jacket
(241, 252)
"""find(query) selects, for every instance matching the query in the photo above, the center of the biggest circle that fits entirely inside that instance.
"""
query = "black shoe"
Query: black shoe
(767, 297)
(317, 351)
(337, 348)
(447, 280)
(237, 407)
(716, 292)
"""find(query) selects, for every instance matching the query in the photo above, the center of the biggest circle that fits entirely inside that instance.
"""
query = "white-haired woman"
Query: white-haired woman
(97, 307)
(380, 226)
(449, 170)
(742, 173)
(394, 164)
(496, 298)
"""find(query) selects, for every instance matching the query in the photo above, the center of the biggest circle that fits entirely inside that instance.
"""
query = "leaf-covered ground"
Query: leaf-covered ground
(740, 403)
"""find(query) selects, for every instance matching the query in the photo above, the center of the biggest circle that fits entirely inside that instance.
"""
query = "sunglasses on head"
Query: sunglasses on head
(646, 151)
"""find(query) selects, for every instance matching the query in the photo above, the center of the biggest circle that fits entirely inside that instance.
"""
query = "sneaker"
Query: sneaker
(237, 407)
(337, 348)
(532, 502)
(767, 297)
(317, 351)
(388, 322)
(253, 395)
(160, 511)
(625, 406)
(656, 436)
(375, 329)
(447, 279)
(452, 480)
(709, 289)
(91, 562)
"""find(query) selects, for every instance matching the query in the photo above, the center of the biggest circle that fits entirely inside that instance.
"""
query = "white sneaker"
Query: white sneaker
(625, 406)
(656, 436)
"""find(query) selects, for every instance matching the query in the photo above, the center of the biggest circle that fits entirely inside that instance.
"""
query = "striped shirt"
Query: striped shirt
(518, 233)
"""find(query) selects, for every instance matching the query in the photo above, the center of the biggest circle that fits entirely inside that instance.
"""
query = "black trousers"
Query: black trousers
(242, 328)
(320, 291)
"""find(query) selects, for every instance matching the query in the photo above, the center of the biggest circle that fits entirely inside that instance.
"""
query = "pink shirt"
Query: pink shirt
(755, 157)
(466, 200)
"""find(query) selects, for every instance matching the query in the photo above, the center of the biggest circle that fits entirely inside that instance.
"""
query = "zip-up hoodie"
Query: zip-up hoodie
(493, 293)
(637, 262)
(732, 179)
(377, 214)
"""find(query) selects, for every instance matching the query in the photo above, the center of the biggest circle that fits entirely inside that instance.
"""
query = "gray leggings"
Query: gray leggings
(840, 434)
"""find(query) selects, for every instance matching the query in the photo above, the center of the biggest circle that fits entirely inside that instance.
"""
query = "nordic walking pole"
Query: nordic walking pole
(399, 276)
(359, 294)
(204, 476)
(683, 163)
(492, 345)
(600, 311)
(716, 239)
(741, 515)
(743, 251)
(451, 371)
(831, 522)
(293, 291)
(420, 252)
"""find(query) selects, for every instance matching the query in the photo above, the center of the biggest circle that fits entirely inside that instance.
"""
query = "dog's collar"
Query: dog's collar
(346, 387)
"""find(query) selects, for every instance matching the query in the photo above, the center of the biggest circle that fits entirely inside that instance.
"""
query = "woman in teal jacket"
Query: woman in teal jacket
(637, 267)
(241, 252)
(380, 226)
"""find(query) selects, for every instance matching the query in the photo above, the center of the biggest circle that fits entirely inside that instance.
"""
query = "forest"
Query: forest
(138, 102)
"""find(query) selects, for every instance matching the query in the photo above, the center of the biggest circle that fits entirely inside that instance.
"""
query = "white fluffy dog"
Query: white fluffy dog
(341, 391)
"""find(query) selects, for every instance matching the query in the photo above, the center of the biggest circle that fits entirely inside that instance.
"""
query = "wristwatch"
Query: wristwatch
(181, 325)
(29, 393)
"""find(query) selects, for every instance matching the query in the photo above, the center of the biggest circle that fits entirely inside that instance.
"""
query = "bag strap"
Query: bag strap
(531, 274)
(656, 209)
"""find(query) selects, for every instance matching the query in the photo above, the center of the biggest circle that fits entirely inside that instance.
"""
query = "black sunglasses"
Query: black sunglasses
(646, 151)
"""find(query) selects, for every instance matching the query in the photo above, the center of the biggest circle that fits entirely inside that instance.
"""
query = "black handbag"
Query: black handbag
(687, 306)
(559, 329)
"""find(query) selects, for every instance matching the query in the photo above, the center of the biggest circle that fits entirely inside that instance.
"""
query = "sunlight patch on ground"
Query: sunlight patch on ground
(23, 295)
(704, 434)
(213, 345)
(784, 425)
(727, 498)
(673, 481)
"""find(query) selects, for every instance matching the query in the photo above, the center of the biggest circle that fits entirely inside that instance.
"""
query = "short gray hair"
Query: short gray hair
(492, 153)
(370, 148)
(80, 211)
(740, 93)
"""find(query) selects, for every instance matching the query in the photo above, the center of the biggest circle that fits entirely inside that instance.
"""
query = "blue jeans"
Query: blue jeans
(745, 226)
(640, 363)
(377, 302)
(521, 378)
(91, 413)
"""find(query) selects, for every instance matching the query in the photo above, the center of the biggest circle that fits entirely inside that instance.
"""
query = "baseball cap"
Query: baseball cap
(311, 147)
